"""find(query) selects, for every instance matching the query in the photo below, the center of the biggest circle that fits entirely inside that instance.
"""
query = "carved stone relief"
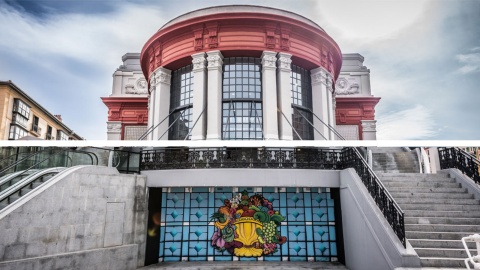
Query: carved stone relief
(346, 87)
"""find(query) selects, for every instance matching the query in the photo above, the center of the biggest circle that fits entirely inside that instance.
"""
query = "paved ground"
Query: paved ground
(246, 265)
(263, 266)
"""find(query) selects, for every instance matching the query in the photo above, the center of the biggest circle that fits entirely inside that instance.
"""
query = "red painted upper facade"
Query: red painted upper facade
(240, 31)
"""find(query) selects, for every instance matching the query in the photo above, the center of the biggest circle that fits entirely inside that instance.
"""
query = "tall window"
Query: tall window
(181, 99)
(48, 135)
(35, 126)
(301, 103)
(242, 99)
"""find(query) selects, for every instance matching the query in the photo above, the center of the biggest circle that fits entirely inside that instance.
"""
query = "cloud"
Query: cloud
(410, 124)
(470, 61)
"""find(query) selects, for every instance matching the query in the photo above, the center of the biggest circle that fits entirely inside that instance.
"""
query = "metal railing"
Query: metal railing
(351, 158)
(457, 158)
(226, 157)
(281, 158)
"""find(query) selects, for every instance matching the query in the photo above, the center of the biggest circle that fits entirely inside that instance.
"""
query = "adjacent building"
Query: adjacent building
(241, 73)
(21, 117)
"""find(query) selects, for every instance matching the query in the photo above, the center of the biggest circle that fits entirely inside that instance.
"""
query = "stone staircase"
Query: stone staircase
(394, 160)
(438, 213)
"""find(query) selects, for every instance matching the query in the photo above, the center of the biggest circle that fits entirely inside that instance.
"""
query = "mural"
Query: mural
(247, 226)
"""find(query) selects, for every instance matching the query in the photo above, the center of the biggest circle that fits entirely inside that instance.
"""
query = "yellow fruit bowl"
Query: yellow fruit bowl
(247, 235)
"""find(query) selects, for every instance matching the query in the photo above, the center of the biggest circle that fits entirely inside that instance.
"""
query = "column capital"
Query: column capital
(269, 60)
(199, 62)
(284, 61)
(215, 60)
(160, 75)
(322, 76)
(369, 125)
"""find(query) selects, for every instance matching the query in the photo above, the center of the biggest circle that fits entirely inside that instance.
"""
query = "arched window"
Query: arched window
(242, 99)
(301, 103)
(181, 103)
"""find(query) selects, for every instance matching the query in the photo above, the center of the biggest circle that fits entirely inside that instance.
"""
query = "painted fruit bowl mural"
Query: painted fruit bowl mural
(247, 226)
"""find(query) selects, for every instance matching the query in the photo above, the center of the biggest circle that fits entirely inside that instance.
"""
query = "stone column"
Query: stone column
(269, 95)
(161, 78)
(199, 96)
(284, 95)
(369, 129)
(151, 117)
(434, 160)
(331, 109)
(114, 129)
(320, 102)
(214, 108)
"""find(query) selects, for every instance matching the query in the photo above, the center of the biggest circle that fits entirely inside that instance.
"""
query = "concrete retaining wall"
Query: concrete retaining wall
(85, 213)
(370, 243)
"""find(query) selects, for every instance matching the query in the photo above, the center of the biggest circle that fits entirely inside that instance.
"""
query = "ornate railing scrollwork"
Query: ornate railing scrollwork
(457, 158)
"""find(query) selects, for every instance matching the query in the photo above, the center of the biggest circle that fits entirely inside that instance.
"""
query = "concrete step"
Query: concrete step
(443, 252)
(427, 190)
(441, 220)
(436, 235)
(414, 185)
(443, 262)
(442, 228)
(449, 214)
(414, 179)
(416, 175)
(414, 194)
(432, 243)
(438, 201)
(439, 207)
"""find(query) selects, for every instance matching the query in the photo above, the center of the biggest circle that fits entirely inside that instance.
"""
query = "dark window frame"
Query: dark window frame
(181, 104)
(301, 90)
(242, 99)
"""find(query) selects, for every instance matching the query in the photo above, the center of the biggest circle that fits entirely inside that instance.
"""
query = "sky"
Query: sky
(424, 55)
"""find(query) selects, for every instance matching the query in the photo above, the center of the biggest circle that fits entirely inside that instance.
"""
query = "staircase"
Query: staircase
(438, 213)
(394, 160)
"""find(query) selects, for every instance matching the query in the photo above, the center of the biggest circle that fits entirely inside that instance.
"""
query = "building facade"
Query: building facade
(241, 73)
(22, 117)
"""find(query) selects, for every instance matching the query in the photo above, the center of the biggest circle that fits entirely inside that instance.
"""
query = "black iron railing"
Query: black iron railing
(197, 158)
(291, 158)
(457, 158)
(351, 158)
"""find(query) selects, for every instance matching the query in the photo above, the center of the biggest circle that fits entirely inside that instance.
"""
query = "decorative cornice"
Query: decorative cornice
(234, 32)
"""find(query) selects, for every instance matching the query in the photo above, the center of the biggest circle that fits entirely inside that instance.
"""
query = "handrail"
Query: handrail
(194, 124)
(21, 160)
(454, 157)
(152, 128)
(278, 109)
(16, 187)
(310, 123)
(328, 126)
(392, 212)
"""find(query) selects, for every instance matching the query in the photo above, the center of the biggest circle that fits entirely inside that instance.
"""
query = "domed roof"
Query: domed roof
(239, 8)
